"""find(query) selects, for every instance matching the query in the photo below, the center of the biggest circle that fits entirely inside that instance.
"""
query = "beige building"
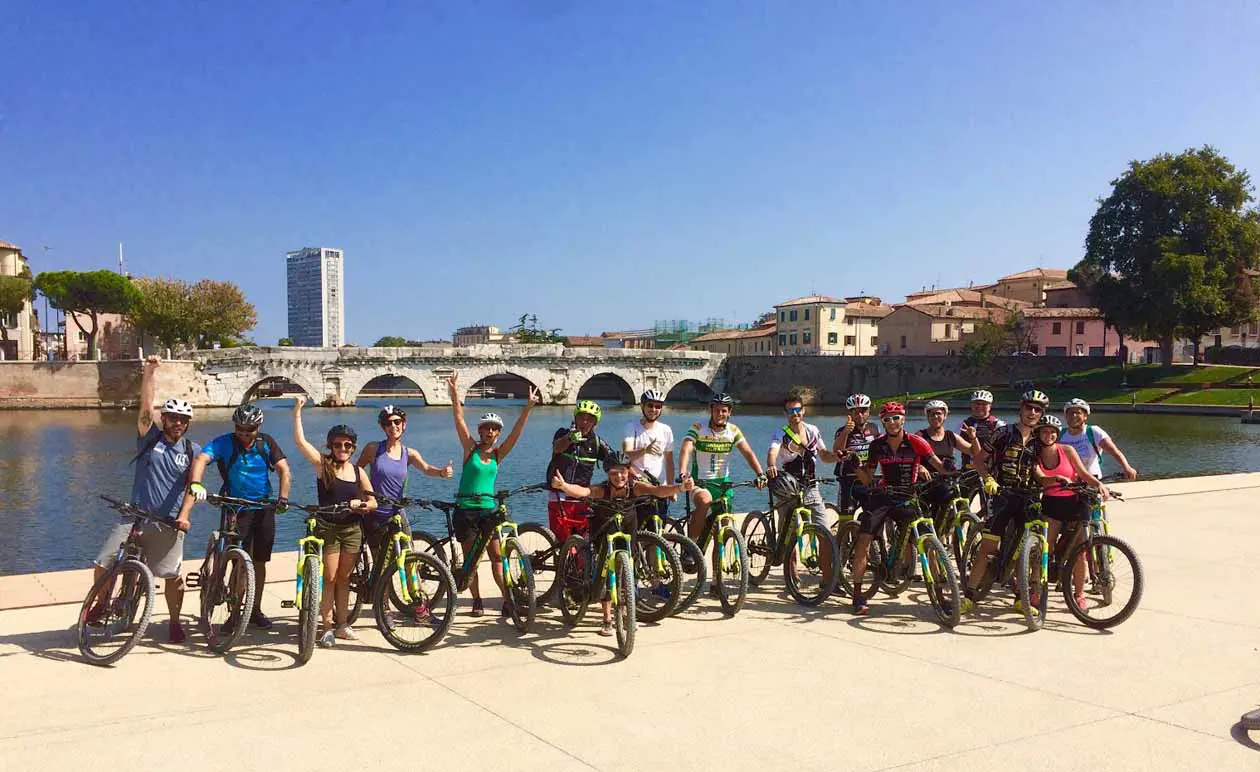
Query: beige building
(974, 298)
(19, 327)
(932, 330)
(862, 318)
(480, 333)
(813, 324)
(759, 341)
(1029, 286)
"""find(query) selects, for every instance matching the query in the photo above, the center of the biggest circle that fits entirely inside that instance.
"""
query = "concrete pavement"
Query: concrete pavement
(776, 687)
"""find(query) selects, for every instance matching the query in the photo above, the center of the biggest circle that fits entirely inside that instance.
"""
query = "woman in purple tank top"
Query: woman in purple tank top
(389, 461)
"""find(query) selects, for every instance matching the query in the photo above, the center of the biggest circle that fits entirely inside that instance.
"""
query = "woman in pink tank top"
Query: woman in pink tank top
(1063, 508)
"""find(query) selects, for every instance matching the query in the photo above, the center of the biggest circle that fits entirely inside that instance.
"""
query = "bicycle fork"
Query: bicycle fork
(311, 546)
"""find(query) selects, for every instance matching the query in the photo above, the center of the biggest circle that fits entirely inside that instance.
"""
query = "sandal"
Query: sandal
(606, 630)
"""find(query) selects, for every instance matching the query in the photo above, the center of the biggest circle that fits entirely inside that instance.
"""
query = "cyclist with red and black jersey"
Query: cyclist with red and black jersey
(977, 429)
(900, 458)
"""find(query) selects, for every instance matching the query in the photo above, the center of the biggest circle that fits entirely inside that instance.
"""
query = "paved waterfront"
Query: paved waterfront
(782, 687)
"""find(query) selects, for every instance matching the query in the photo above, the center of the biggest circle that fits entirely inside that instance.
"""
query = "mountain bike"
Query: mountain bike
(730, 553)
(310, 575)
(808, 552)
(658, 569)
(588, 571)
(897, 545)
(1024, 556)
(690, 559)
(117, 609)
(225, 580)
(1113, 581)
(518, 575)
(955, 522)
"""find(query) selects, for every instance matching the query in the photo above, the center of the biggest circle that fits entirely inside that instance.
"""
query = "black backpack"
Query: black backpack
(265, 450)
(152, 443)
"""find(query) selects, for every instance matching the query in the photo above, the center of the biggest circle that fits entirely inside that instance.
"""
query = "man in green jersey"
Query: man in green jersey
(706, 453)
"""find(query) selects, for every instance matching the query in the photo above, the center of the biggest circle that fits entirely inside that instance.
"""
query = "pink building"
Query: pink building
(1080, 332)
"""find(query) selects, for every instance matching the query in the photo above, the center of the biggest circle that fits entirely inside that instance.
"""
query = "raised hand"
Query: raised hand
(452, 386)
(152, 361)
(448, 471)
(298, 401)
(534, 398)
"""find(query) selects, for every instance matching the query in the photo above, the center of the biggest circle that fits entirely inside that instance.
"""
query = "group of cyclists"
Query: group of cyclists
(874, 464)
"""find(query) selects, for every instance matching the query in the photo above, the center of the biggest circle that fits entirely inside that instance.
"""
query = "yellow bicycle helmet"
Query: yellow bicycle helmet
(589, 407)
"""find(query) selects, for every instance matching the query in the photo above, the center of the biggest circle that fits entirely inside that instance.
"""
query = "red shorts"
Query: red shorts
(566, 518)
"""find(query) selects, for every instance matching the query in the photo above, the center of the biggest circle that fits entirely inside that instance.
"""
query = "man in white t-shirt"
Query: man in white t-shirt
(1090, 441)
(650, 444)
(791, 462)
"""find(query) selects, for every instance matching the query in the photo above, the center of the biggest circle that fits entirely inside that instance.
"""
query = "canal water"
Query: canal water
(54, 464)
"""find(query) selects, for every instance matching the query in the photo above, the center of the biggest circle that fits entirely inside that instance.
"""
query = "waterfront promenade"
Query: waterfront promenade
(777, 687)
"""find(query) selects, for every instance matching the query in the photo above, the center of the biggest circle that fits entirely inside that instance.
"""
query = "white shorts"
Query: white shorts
(163, 548)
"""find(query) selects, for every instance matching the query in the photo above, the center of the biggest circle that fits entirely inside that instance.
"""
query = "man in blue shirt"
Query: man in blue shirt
(245, 459)
(158, 487)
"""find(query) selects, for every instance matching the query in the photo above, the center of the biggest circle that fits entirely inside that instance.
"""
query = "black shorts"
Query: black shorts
(1065, 509)
(375, 526)
(469, 522)
(598, 520)
(1008, 512)
(881, 508)
(257, 528)
(852, 495)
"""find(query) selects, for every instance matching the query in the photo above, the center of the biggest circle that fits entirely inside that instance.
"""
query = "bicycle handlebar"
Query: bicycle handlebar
(232, 501)
(131, 510)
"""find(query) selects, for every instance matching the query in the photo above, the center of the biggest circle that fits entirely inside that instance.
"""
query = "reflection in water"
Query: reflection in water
(54, 463)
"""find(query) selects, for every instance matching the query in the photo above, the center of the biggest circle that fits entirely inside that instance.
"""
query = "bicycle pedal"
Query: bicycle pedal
(288, 604)
(192, 581)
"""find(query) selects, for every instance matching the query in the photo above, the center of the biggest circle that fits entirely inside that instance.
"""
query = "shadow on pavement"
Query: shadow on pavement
(1242, 735)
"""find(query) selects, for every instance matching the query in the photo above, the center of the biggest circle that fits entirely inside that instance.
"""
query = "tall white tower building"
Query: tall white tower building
(317, 311)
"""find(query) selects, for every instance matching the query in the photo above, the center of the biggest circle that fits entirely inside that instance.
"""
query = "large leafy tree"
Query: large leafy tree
(178, 313)
(526, 330)
(223, 314)
(88, 294)
(164, 311)
(1170, 252)
(15, 293)
(395, 341)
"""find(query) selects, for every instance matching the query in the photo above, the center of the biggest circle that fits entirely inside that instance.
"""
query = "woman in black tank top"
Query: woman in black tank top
(943, 441)
(338, 481)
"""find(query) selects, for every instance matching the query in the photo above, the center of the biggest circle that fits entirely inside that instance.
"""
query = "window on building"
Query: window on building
(1080, 349)
(791, 316)
(949, 329)
(831, 339)
(850, 340)
(9, 320)
(1096, 351)
(1080, 328)
(782, 340)
(82, 336)
(807, 314)
(903, 341)
(1235, 331)
(874, 341)
(792, 338)
(805, 336)
(781, 316)
(1056, 328)
(1056, 351)
(833, 314)
(848, 320)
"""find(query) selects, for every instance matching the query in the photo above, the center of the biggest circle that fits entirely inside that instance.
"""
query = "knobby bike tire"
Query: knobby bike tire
(732, 584)
(232, 570)
(135, 605)
(970, 554)
(895, 571)
(431, 611)
(423, 541)
(1111, 555)
(308, 615)
(658, 573)
(967, 524)
(944, 592)
(1033, 586)
(624, 611)
(574, 590)
(539, 544)
(361, 590)
(756, 532)
(694, 569)
(846, 542)
(825, 554)
(519, 579)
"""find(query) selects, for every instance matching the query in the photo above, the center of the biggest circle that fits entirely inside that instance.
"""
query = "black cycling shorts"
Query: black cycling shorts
(881, 508)
(1065, 509)
(257, 529)
(469, 522)
(1007, 511)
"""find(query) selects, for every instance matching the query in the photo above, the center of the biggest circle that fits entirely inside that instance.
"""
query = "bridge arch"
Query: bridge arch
(434, 388)
(688, 390)
(313, 388)
(623, 383)
(473, 376)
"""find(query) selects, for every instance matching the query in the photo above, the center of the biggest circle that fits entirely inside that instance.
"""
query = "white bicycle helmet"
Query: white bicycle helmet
(652, 395)
(490, 418)
(1077, 402)
(982, 395)
(856, 401)
(179, 407)
(936, 404)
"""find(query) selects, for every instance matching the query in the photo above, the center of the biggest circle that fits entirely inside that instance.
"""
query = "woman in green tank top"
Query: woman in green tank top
(475, 499)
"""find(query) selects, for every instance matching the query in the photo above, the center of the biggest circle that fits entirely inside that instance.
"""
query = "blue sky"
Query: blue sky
(599, 164)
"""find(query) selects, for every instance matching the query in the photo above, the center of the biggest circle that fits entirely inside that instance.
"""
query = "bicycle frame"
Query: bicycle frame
(503, 530)
(309, 546)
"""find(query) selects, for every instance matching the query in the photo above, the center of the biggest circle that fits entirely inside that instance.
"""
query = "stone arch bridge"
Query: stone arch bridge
(336, 376)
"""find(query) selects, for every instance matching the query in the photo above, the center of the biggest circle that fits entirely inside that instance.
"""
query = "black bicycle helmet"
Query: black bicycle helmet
(390, 410)
(248, 414)
(722, 398)
(616, 459)
(341, 430)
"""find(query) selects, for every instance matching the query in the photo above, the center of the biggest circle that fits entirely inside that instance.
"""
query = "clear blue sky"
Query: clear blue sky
(600, 164)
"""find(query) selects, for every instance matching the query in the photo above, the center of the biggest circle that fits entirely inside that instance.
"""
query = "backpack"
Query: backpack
(1089, 432)
(264, 449)
(152, 443)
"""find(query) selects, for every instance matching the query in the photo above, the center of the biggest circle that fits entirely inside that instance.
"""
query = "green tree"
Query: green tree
(392, 341)
(164, 311)
(997, 338)
(223, 315)
(88, 293)
(526, 330)
(15, 293)
(285, 342)
(1170, 250)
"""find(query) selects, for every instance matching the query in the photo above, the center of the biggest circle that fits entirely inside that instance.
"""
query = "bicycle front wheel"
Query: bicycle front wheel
(1113, 583)
(519, 580)
(228, 599)
(1032, 581)
(694, 569)
(944, 592)
(539, 544)
(730, 570)
(658, 572)
(623, 602)
(423, 541)
(810, 569)
(308, 615)
(966, 525)
(411, 612)
(846, 544)
(756, 532)
(574, 583)
(116, 613)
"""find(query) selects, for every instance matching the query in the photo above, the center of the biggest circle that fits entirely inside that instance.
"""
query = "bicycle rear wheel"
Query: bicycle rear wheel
(944, 592)
(116, 613)
(539, 544)
(895, 571)
(811, 565)
(970, 555)
(421, 622)
(966, 524)
(1033, 585)
(658, 573)
(846, 544)
(227, 599)
(308, 615)
(756, 532)
(519, 580)
(573, 593)
(694, 570)
(730, 570)
(623, 603)
(361, 590)
(1113, 585)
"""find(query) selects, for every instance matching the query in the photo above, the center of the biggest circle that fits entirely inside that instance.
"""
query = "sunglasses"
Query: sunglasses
(342, 445)
(794, 410)
(1034, 408)
(893, 418)
(247, 430)
(396, 421)
(176, 418)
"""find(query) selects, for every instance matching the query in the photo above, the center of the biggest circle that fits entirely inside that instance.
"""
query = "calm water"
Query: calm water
(54, 463)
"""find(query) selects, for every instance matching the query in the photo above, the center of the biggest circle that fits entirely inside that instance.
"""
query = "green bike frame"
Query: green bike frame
(309, 546)
(608, 573)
